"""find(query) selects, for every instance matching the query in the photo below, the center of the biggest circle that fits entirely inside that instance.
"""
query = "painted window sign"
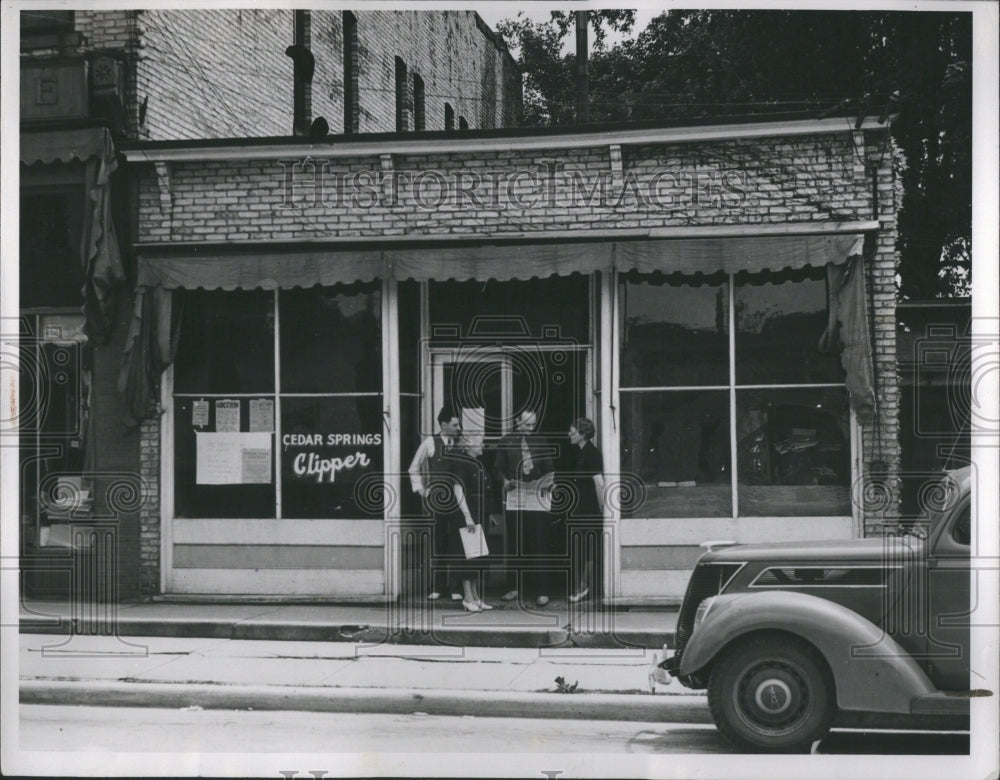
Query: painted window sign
(325, 457)
(331, 457)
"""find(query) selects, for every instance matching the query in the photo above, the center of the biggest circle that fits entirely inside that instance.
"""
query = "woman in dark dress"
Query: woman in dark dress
(467, 476)
(585, 518)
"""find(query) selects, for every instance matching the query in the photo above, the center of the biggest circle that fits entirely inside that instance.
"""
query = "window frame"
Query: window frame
(400, 77)
(168, 470)
(733, 388)
(419, 103)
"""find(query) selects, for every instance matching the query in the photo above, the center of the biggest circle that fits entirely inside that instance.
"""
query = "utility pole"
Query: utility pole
(582, 71)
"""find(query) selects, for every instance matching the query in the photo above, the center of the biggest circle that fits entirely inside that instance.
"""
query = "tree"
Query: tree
(550, 77)
(718, 63)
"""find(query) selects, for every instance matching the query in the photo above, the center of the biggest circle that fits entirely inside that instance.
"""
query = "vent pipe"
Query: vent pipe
(304, 65)
(582, 70)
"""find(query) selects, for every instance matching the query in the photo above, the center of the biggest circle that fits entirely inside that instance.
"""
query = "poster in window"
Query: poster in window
(227, 416)
(262, 414)
(233, 458)
(199, 414)
(256, 464)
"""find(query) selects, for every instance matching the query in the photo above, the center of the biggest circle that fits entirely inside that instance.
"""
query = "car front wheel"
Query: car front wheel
(772, 694)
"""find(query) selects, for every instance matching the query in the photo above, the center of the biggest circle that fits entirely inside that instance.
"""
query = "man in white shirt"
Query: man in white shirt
(426, 469)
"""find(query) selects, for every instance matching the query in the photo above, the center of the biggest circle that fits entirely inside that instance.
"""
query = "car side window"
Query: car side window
(961, 530)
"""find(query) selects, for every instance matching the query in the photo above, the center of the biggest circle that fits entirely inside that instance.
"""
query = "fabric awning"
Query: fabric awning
(501, 261)
(732, 255)
(266, 271)
(154, 330)
(80, 145)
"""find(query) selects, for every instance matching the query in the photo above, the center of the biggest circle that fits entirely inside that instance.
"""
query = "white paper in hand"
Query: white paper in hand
(474, 541)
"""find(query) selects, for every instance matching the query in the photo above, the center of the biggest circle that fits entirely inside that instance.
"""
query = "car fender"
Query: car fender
(871, 671)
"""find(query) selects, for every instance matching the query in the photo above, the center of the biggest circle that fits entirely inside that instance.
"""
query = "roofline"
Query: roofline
(936, 303)
(497, 40)
(508, 139)
(679, 232)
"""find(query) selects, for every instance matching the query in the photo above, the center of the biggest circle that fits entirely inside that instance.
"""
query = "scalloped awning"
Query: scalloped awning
(152, 337)
(49, 146)
(501, 261)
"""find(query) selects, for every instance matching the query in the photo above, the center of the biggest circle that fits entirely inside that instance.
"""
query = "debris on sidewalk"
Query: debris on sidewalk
(563, 687)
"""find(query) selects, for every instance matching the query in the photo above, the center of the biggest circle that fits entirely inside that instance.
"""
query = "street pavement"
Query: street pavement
(65, 730)
(400, 657)
(131, 730)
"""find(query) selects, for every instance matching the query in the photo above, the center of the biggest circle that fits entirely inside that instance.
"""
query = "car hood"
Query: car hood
(875, 549)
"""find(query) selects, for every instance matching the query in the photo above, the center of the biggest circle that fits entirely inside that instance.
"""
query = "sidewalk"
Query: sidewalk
(335, 676)
(422, 623)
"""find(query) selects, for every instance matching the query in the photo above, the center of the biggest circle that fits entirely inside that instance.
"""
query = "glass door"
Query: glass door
(476, 382)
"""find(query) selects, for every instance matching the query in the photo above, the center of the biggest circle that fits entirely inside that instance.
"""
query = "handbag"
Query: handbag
(474, 541)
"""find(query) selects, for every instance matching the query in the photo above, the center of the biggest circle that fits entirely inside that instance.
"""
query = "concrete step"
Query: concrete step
(444, 623)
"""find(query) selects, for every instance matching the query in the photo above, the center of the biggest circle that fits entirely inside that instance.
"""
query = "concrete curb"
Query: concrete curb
(459, 636)
(677, 708)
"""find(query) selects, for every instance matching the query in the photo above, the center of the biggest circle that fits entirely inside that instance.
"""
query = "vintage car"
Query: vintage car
(792, 638)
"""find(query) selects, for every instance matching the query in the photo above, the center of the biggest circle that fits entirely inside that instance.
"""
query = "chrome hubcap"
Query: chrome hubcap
(773, 696)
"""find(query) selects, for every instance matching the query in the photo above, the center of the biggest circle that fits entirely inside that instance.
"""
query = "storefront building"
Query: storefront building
(90, 79)
(718, 299)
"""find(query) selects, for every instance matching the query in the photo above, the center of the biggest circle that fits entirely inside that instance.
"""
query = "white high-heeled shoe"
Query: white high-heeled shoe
(471, 606)
(579, 596)
(483, 605)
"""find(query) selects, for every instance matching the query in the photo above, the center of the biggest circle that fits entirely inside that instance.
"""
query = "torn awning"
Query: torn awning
(501, 261)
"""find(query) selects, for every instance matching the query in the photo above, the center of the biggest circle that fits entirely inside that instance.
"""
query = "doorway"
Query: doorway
(493, 386)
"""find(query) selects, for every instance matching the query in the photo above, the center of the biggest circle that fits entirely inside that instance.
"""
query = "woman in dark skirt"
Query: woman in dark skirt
(467, 477)
(585, 517)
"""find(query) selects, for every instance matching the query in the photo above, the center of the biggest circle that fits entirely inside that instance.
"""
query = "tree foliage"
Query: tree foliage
(691, 65)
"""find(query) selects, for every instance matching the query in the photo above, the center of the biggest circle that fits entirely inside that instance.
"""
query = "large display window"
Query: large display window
(728, 407)
(277, 404)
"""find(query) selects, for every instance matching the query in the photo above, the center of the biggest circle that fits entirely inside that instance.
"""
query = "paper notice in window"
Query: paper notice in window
(227, 416)
(257, 465)
(261, 414)
(233, 458)
(199, 413)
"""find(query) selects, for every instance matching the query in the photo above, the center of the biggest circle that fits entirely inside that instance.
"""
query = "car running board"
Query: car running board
(951, 703)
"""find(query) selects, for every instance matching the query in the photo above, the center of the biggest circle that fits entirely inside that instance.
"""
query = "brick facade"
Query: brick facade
(149, 519)
(215, 73)
(800, 180)
(769, 181)
(200, 73)
(881, 440)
